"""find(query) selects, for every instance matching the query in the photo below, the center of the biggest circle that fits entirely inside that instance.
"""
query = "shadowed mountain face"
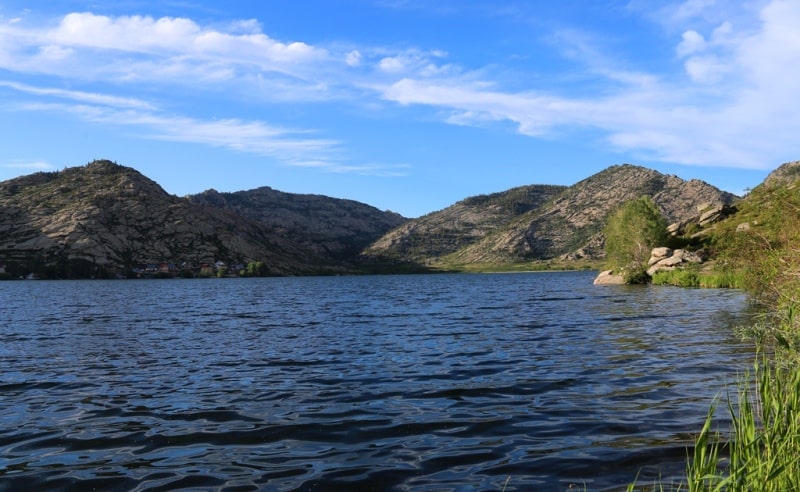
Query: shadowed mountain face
(112, 217)
(560, 222)
(329, 227)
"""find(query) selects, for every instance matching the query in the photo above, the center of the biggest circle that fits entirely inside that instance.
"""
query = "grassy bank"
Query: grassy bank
(694, 278)
(534, 266)
(758, 251)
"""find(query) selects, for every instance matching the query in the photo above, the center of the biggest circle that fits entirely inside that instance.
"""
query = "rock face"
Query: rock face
(106, 217)
(330, 227)
(666, 259)
(784, 175)
(566, 223)
(438, 234)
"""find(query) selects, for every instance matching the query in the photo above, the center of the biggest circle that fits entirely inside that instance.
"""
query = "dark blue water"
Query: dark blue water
(426, 382)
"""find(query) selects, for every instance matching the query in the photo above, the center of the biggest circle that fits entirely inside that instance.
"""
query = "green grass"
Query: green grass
(763, 449)
(692, 278)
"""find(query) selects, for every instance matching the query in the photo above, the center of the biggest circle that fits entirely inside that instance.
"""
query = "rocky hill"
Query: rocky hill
(567, 223)
(104, 219)
(107, 219)
(335, 228)
(784, 175)
(438, 234)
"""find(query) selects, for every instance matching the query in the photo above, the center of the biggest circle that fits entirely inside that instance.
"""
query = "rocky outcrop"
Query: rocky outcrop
(707, 215)
(785, 175)
(666, 259)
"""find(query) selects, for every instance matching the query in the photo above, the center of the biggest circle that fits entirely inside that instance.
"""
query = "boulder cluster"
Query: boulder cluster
(661, 259)
(665, 259)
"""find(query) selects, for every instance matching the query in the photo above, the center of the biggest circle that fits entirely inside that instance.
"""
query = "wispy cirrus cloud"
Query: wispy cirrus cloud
(290, 146)
(81, 96)
(30, 166)
(732, 101)
(735, 105)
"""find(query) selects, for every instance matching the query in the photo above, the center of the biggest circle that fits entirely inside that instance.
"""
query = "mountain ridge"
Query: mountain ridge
(104, 219)
(569, 224)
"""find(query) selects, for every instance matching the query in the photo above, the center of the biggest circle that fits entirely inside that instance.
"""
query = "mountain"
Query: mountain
(334, 228)
(567, 224)
(106, 219)
(438, 234)
(103, 219)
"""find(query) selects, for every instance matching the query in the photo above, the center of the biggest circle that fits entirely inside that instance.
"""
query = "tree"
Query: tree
(256, 269)
(631, 233)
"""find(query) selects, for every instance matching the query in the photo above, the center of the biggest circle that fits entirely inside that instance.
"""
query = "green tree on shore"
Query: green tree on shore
(256, 269)
(631, 233)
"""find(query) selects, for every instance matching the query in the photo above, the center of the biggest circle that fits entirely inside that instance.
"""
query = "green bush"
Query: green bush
(631, 233)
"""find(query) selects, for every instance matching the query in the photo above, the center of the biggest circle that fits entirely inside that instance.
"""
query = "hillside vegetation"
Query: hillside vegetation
(538, 224)
(760, 245)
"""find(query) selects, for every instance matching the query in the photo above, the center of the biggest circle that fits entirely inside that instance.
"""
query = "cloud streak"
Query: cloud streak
(733, 104)
(30, 166)
(735, 107)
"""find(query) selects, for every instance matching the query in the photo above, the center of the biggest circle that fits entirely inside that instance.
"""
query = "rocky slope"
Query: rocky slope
(113, 219)
(329, 227)
(105, 218)
(438, 234)
(784, 175)
(566, 224)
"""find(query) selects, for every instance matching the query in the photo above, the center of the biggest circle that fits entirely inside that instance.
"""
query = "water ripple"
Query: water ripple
(444, 382)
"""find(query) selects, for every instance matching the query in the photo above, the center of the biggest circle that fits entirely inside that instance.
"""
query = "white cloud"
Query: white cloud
(86, 97)
(289, 145)
(353, 58)
(31, 166)
(392, 65)
(90, 46)
(734, 104)
(738, 107)
(706, 69)
(691, 43)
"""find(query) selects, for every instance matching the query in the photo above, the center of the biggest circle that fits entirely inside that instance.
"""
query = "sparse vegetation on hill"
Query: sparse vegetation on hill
(541, 224)
(104, 219)
(429, 239)
(331, 227)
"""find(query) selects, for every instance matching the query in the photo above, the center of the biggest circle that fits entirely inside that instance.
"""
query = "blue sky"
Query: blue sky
(407, 105)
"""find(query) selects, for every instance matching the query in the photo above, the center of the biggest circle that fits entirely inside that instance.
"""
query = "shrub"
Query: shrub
(631, 233)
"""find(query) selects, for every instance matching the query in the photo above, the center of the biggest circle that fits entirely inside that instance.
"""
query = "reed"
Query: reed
(762, 450)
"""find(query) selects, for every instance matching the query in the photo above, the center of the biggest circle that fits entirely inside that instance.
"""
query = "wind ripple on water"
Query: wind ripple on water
(405, 383)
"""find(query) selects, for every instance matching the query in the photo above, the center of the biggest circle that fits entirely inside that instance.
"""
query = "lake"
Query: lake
(529, 381)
